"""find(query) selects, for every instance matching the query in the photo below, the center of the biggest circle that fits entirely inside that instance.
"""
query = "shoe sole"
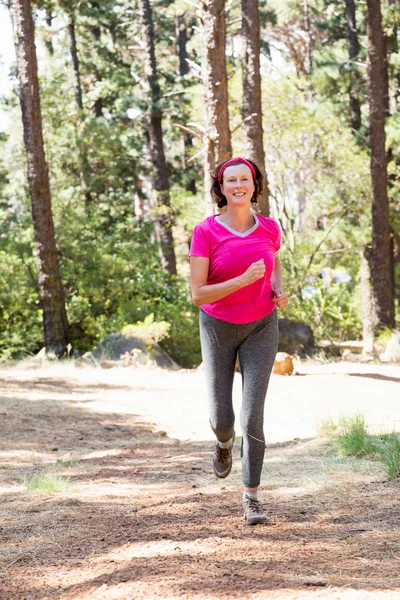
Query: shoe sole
(226, 473)
(255, 520)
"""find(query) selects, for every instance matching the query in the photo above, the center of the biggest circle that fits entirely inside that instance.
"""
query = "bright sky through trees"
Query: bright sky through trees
(7, 57)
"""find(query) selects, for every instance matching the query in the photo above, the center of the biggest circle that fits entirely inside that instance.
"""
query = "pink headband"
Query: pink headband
(236, 160)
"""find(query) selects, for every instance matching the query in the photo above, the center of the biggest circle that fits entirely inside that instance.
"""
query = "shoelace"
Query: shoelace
(222, 454)
(254, 505)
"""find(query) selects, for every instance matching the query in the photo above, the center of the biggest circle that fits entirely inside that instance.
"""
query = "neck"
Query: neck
(241, 220)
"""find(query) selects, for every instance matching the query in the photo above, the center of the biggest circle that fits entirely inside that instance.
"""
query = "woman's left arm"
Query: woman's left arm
(280, 298)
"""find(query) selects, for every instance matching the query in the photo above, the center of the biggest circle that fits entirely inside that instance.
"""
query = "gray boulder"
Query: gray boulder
(295, 337)
(131, 350)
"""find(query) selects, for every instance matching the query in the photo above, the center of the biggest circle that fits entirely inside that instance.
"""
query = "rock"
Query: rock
(295, 337)
(130, 351)
(283, 364)
(392, 352)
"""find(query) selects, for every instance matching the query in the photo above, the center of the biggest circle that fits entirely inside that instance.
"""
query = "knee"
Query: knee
(223, 432)
(253, 428)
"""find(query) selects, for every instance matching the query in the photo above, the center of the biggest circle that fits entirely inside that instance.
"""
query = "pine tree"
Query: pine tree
(50, 285)
(252, 110)
(163, 216)
(379, 257)
(215, 85)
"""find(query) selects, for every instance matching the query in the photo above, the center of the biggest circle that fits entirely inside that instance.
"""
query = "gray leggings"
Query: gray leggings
(256, 344)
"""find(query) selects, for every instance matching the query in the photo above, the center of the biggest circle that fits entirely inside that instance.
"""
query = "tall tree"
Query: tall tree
(379, 257)
(85, 174)
(75, 62)
(182, 39)
(252, 111)
(163, 213)
(215, 84)
(354, 49)
(50, 285)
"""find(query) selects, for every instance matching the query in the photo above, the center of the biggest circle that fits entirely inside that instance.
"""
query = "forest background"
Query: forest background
(124, 85)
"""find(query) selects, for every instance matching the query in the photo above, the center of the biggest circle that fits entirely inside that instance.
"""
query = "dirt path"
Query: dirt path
(142, 517)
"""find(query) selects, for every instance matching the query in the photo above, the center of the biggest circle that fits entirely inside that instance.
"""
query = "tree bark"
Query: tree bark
(75, 63)
(252, 111)
(354, 49)
(98, 104)
(163, 213)
(215, 86)
(85, 171)
(379, 258)
(51, 291)
(182, 39)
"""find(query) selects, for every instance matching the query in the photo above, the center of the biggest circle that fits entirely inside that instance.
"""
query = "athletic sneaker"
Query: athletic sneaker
(253, 511)
(222, 460)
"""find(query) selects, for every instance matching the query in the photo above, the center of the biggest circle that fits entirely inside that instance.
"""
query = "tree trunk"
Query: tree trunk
(354, 49)
(75, 63)
(51, 290)
(98, 104)
(48, 42)
(379, 260)
(163, 217)
(369, 312)
(308, 63)
(182, 39)
(252, 111)
(215, 86)
(85, 171)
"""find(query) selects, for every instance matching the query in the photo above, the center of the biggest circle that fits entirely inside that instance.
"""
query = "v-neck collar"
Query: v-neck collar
(239, 233)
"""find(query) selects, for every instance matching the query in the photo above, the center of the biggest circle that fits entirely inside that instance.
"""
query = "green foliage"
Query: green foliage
(333, 312)
(100, 171)
(148, 331)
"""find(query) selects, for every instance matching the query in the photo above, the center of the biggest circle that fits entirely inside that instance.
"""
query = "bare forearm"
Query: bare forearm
(211, 293)
(276, 277)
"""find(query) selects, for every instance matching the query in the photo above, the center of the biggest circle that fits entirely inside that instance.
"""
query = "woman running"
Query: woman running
(236, 279)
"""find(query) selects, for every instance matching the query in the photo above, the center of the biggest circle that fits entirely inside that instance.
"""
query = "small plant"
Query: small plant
(46, 482)
(353, 438)
(148, 330)
(60, 462)
(389, 454)
(328, 428)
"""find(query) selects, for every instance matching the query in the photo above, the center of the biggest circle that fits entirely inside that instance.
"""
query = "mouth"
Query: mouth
(240, 194)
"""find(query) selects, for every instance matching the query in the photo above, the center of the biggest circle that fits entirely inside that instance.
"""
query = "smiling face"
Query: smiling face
(238, 185)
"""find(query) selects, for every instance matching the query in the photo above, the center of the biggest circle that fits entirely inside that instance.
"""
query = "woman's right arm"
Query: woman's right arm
(204, 294)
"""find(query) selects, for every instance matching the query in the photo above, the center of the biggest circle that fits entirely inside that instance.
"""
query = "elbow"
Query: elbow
(196, 298)
(197, 301)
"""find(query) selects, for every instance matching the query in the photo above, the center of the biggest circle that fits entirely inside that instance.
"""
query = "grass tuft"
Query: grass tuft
(46, 483)
(389, 454)
(351, 438)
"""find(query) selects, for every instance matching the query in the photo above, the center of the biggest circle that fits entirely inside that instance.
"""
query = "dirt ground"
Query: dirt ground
(143, 517)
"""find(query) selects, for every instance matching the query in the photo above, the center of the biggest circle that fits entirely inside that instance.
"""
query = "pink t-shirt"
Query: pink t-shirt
(231, 253)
